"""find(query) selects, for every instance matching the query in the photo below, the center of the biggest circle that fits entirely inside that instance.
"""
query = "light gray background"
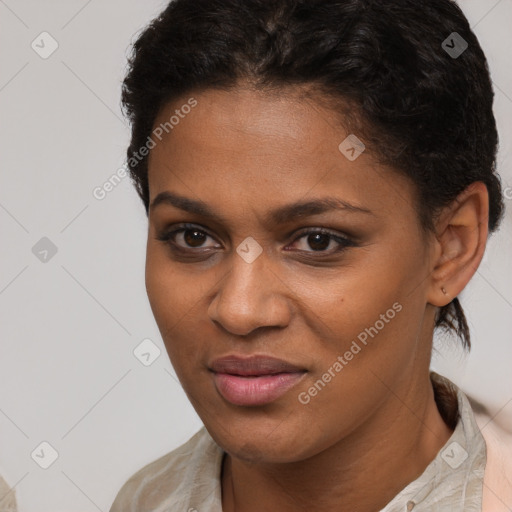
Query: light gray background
(69, 326)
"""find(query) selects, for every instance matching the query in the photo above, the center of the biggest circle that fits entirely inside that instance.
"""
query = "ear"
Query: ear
(461, 236)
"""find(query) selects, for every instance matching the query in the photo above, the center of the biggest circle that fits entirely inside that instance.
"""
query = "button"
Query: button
(410, 505)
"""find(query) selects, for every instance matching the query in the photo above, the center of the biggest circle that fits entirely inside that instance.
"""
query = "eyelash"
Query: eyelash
(168, 238)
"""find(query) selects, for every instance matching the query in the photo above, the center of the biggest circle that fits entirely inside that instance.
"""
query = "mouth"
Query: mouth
(256, 380)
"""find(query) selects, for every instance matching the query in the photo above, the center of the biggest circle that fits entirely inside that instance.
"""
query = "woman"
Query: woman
(320, 183)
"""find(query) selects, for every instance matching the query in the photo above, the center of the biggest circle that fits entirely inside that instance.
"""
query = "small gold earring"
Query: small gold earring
(443, 290)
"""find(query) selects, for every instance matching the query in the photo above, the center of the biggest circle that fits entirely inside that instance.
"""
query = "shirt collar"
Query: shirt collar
(454, 479)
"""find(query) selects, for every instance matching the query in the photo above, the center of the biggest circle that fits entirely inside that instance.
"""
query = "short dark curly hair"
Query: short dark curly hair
(424, 111)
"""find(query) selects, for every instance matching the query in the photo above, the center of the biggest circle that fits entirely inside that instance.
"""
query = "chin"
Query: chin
(271, 441)
(264, 450)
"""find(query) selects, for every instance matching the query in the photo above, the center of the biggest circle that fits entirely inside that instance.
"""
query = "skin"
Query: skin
(375, 426)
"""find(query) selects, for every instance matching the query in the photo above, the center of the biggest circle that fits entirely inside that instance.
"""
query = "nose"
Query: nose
(250, 296)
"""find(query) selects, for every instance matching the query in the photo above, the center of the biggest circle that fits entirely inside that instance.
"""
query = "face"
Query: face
(286, 279)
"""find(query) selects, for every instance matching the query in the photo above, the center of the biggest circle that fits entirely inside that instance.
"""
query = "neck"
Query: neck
(363, 471)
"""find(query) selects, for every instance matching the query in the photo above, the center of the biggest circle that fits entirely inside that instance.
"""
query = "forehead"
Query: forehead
(268, 144)
(244, 118)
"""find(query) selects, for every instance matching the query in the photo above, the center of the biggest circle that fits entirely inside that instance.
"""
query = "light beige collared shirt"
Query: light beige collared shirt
(7, 497)
(188, 478)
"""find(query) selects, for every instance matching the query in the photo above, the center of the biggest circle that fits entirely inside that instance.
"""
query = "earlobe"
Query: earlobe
(461, 236)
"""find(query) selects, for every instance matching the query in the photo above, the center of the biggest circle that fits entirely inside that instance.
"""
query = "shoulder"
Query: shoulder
(170, 477)
(7, 497)
(497, 489)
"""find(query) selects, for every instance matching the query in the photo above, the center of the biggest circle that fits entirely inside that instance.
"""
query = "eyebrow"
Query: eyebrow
(280, 215)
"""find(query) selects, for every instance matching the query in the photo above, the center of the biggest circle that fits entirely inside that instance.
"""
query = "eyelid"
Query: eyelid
(167, 234)
(323, 231)
(343, 241)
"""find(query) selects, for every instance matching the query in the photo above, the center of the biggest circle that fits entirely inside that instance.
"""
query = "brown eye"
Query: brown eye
(186, 237)
(194, 237)
(320, 240)
(189, 238)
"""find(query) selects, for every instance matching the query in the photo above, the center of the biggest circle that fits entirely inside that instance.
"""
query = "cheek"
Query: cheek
(179, 295)
(340, 306)
(368, 316)
(161, 287)
(173, 289)
(172, 297)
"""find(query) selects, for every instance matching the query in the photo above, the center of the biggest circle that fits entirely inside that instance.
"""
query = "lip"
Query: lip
(255, 380)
